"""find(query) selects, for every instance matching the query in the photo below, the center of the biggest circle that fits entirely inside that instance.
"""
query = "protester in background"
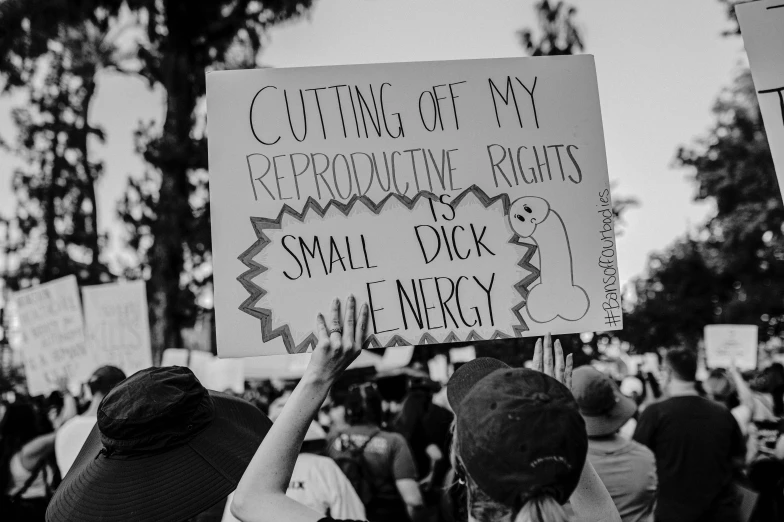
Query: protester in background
(261, 494)
(28, 473)
(71, 436)
(164, 449)
(762, 412)
(316, 482)
(426, 426)
(697, 444)
(627, 468)
(379, 463)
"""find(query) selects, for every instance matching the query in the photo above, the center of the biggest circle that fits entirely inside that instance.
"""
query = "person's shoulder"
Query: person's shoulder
(78, 423)
(641, 451)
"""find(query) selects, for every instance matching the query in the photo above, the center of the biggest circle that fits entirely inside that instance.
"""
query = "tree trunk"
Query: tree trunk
(172, 209)
(51, 257)
(92, 238)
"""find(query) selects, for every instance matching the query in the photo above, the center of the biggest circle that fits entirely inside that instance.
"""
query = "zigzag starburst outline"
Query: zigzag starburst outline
(264, 315)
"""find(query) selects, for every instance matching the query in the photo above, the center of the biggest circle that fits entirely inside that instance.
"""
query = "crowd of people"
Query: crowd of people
(547, 443)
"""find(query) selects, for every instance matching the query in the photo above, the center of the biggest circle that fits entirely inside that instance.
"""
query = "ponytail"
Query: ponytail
(541, 509)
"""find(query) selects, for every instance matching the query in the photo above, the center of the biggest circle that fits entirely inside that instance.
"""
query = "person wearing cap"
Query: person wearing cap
(627, 468)
(518, 436)
(164, 449)
(72, 434)
(520, 444)
(316, 482)
(697, 444)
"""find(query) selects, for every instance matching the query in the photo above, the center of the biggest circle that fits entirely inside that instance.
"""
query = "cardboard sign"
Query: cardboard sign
(762, 26)
(463, 201)
(51, 338)
(117, 325)
(725, 343)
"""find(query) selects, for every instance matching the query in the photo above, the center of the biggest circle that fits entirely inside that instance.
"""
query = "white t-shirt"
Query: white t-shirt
(318, 483)
(70, 439)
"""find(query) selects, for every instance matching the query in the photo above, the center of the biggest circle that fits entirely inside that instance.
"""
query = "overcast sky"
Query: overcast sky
(660, 67)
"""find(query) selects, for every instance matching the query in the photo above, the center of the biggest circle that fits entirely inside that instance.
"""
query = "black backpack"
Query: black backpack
(352, 462)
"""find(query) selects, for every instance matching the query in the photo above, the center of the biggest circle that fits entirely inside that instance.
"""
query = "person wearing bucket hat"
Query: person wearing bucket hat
(164, 449)
(520, 444)
(627, 468)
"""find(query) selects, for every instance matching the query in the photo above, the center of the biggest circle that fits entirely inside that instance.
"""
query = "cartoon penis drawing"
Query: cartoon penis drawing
(556, 294)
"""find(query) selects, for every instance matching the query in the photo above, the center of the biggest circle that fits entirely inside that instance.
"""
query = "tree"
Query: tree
(55, 66)
(168, 211)
(733, 270)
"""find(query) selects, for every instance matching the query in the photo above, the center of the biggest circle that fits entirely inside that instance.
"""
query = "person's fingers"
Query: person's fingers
(537, 362)
(559, 362)
(568, 371)
(334, 324)
(547, 353)
(349, 322)
(321, 329)
(362, 324)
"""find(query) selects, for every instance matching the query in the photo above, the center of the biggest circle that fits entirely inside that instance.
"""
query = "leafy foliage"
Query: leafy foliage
(56, 214)
(733, 270)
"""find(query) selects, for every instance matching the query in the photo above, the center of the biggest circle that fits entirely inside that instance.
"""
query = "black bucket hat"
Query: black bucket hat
(519, 432)
(164, 449)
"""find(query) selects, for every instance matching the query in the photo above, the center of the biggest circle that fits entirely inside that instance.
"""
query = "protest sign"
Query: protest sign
(463, 201)
(762, 27)
(117, 325)
(728, 343)
(51, 339)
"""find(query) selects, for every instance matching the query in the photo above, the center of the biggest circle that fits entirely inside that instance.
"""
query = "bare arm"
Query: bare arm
(261, 493)
(37, 449)
(41, 447)
(745, 395)
(409, 491)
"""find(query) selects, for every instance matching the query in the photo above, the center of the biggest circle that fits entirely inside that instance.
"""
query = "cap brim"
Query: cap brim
(170, 486)
(468, 375)
(609, 423)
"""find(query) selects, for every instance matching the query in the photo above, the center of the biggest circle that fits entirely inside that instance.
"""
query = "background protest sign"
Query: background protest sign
(725, 343)
(762, 26)
(50, 329)
(117, 325)
(462, 200)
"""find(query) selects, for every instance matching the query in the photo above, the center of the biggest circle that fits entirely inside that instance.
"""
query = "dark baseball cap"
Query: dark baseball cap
(519, 432)
(603, 407)
(105, 378)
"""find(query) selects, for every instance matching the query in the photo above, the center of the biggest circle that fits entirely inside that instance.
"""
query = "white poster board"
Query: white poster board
(51, 339)
(725, 343)
(762, 27)
(117, 325)
(462, 200)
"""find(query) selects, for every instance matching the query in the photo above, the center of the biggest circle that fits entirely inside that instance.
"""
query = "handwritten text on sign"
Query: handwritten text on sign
(762, 26)
(117, 325)
(461, 200)
(731, 344)
(51, 339)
